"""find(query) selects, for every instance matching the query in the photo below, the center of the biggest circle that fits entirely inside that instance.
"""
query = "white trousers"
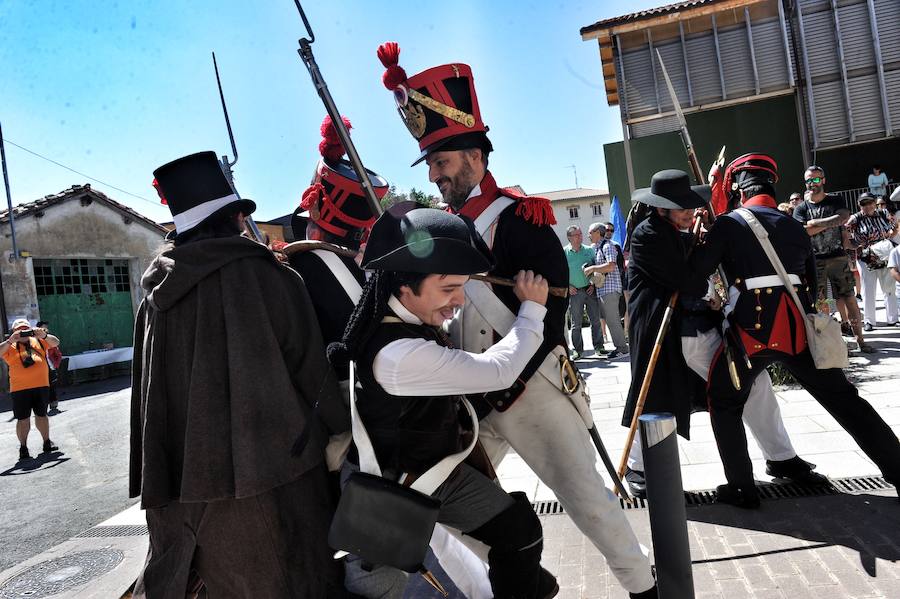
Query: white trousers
(545, 429)
(761, 412)
(869, 279)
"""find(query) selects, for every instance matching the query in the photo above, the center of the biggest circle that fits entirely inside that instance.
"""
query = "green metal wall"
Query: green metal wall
(86, 302)
(768, 126)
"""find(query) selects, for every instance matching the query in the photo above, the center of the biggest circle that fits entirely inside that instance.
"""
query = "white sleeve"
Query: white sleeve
(420, 367)
(894, 258)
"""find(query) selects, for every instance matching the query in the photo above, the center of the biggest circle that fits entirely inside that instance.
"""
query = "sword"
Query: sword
(226, 164)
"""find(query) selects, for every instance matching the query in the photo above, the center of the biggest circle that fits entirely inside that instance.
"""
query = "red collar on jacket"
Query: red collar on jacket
(762, 199)
(532, 208)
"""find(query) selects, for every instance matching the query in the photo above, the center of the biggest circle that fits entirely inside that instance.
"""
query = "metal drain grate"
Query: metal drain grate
(767, 491)
(135, 530)
(60, 574)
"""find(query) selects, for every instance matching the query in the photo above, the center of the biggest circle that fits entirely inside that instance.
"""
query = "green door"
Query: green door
(86, 302)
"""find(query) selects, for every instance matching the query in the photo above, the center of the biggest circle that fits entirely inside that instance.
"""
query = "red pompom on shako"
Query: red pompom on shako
(438, 105)
(335, 200)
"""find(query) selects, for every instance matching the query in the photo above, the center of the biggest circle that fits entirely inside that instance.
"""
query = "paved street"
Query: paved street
(51, 498)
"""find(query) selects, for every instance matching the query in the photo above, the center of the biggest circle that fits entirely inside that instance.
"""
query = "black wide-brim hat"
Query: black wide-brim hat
(425, 240)
(195, 189)
(672, 189)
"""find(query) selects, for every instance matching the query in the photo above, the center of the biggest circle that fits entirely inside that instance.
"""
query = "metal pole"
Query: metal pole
(715, 30)
(879, 67)
(687, 66)
(653, 70)
(626, 133)
(752, 50)
(808, 76)
(12, 218)
(668, 520)
(843, 65)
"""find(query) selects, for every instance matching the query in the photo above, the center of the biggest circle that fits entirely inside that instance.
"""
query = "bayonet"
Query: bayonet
(227, 164)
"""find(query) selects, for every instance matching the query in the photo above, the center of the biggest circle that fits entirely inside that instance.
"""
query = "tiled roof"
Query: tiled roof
(644, 14)
(571, 194)
(76, 191)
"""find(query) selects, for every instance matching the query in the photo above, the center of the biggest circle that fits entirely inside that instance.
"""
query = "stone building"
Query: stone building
(581, 207)
(81, 256)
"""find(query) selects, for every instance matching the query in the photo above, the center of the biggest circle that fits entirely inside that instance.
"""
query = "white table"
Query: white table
(99, 358)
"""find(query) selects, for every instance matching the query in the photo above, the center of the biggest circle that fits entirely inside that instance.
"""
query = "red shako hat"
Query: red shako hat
(438, 105)
(755, 163)
(335, 200)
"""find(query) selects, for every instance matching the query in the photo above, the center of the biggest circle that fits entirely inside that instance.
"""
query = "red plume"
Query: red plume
(162, 198)
(330, 147)
(389, 55)
(719, 198)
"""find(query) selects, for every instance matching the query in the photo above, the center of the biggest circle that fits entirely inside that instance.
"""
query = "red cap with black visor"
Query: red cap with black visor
(755, 162)
(439, 105)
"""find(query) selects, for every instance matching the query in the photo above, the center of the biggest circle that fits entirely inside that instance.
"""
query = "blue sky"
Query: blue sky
(115, 89)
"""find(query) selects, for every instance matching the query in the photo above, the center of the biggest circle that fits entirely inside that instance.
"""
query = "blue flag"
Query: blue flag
(618, 222)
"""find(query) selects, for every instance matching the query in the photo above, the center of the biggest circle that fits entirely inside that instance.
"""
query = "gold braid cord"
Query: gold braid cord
(442, 109)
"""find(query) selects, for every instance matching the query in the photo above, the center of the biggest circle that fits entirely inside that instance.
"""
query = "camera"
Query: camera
(28, 333)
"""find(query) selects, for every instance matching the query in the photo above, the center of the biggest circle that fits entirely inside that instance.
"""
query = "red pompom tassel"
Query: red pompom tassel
(389, 55)
(311, 196)
(162, 198)
(330, 147)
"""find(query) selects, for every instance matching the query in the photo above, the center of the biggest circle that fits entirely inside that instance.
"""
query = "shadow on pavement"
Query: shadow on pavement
(43, 461)
(866, 524)
(64, 394)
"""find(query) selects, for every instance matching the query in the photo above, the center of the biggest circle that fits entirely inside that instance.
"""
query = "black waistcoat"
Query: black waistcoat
(410, 433)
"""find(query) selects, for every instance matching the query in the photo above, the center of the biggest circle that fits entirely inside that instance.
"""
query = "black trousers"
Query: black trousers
(831, 389)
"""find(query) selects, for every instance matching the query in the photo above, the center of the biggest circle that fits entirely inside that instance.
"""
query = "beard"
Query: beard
(459, 188)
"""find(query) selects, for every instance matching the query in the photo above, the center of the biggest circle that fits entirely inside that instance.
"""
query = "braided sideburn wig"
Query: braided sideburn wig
(371, 309)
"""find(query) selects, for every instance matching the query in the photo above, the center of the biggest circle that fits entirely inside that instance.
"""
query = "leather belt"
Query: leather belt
(769, 281)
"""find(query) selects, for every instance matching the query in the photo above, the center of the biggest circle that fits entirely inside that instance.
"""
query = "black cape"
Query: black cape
(658, 266)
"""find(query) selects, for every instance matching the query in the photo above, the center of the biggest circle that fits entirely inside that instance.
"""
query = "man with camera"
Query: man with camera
(25, 353)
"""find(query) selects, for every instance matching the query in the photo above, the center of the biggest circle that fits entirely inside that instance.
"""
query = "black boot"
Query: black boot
(49, 446)
(650, 593)
(547, 585)
(23, 453)
(745, 496)
(797, 470)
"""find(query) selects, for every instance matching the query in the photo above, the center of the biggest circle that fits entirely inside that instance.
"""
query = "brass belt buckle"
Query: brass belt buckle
(568, 376)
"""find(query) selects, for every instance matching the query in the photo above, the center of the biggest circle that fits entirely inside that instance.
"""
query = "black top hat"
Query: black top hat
(425, 240)
(866, 198)
(195, 188)
(672, 189)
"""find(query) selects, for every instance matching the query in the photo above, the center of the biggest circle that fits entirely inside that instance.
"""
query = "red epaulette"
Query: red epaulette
(534, 209)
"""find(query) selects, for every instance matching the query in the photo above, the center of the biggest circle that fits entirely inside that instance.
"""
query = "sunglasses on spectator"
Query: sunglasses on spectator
(610, 230)
(814, 180)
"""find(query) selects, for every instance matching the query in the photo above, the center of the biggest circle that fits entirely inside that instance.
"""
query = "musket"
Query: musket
(227, 164)
(306, 245)
(673, 300)
(306, 54)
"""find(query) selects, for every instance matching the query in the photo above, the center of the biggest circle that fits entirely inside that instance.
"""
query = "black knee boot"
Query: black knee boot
(516, 539)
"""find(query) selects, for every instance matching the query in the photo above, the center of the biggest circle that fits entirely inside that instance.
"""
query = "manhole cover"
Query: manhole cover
(57, 575)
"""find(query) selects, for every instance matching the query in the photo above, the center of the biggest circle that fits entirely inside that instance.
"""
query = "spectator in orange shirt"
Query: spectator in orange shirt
(25, 352)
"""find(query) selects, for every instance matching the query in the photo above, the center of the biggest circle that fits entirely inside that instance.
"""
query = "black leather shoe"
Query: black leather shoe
(637, 484)
(49, 446)
(548, 587)
(744, 497)
(797, 470)
(23, 453)
(650, 593)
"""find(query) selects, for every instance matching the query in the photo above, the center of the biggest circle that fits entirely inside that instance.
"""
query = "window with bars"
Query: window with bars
(573, 212)
(597, 209)
(81, 276)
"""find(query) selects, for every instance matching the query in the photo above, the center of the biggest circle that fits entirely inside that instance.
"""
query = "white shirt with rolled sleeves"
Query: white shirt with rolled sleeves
(409, 367)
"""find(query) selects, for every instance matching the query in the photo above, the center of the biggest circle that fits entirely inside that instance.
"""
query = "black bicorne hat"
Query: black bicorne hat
(672, 189)
(195, 188)
(425, 240)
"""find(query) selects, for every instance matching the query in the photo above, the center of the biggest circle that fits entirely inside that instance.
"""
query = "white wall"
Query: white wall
(585, 215)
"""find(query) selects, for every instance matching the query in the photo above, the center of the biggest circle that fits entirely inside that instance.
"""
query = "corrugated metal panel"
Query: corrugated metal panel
(652, 127)
(814, 5)
(701, 50)
(831, 115)
(674, 60)
(865, 100)
(736, 64)
(768, 44)
(892, 84)
(821, 47)
(639, 88)
(856, 35)
(887, 13)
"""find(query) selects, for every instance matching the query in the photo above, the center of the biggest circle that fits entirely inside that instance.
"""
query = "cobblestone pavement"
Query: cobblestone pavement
(841, 546)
